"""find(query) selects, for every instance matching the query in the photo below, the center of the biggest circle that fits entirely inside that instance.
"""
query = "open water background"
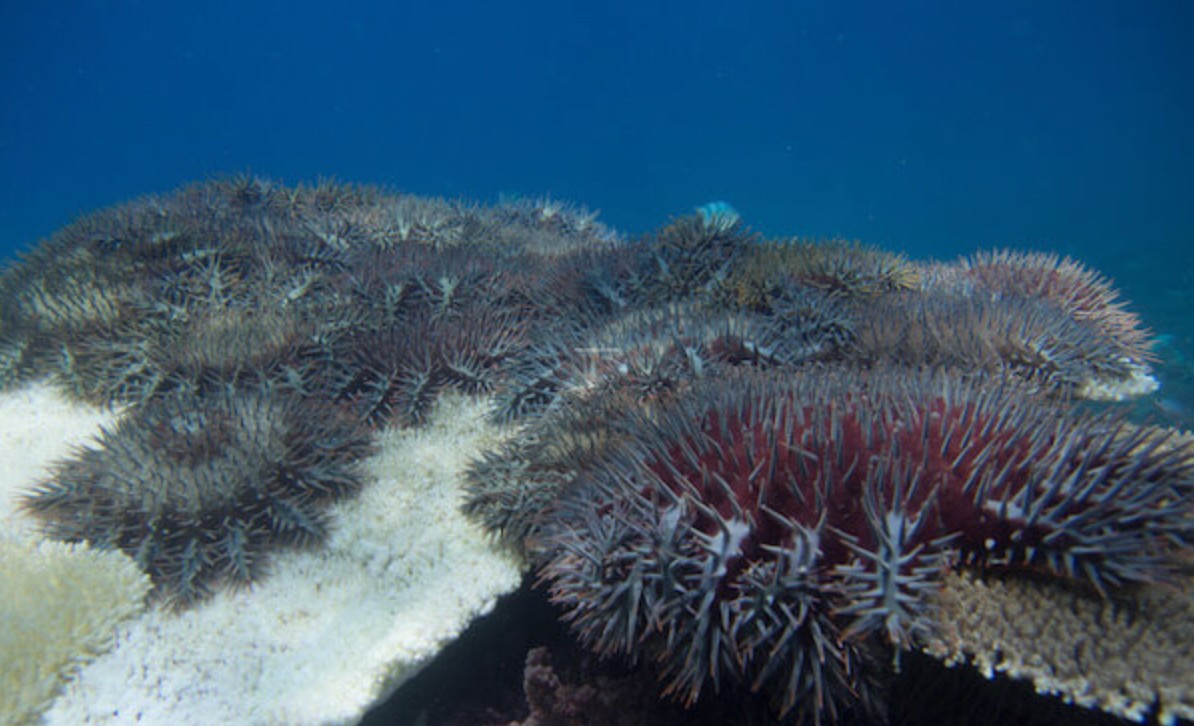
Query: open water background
(932, 128)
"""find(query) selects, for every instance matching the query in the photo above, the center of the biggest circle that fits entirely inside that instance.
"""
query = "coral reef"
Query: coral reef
(520, 664)
(1130, 656)
(553, 702)
(744, 465)
(60, 605)
(331, 630)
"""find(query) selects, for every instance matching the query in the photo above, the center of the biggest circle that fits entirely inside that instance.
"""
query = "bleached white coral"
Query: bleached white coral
(60, 605)
(328, 632)
(1139, 382)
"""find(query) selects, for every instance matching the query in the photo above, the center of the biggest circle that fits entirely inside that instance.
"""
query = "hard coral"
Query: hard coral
(1132, 655)
(554, 702)
(60, 605)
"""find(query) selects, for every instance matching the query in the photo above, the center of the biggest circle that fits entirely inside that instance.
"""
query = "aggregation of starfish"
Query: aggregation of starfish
(743, 462)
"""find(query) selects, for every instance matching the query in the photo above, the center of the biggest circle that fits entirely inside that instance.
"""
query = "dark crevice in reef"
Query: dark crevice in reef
(478, 680)
(480, 671)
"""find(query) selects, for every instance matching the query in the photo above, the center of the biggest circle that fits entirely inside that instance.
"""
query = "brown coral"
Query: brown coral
(1127, 656)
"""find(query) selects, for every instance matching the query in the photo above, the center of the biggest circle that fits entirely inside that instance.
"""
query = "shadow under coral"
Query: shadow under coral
(520, 666)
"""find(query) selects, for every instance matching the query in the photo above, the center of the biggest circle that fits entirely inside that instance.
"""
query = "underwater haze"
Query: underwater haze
(932, 128)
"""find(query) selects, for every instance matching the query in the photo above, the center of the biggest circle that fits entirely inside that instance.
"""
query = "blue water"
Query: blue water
(932, 127)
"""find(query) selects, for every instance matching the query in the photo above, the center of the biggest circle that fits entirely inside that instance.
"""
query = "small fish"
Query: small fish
(1172, 409)
(719, 215)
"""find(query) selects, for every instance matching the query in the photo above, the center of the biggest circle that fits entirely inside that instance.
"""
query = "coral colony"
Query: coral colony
(744, 463)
